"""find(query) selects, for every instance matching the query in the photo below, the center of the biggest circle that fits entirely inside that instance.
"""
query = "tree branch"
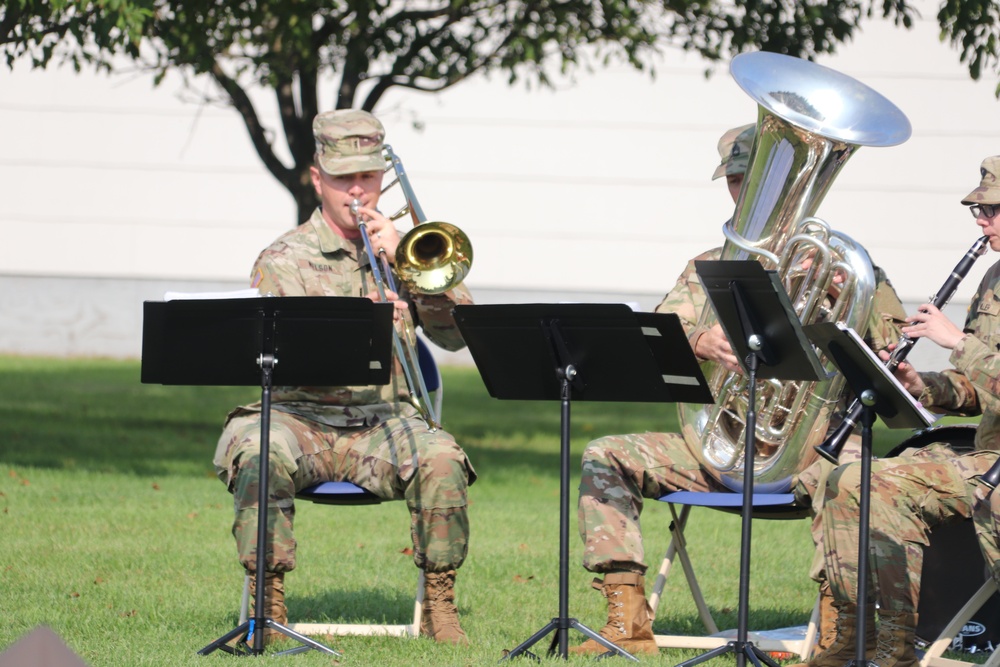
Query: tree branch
(241, 102)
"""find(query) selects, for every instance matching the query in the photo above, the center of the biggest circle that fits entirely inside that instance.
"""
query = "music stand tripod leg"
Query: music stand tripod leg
(562, 624)
(259, 622)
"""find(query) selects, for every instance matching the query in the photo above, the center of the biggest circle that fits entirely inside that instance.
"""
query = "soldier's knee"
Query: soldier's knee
(445, 459)
(597, 451)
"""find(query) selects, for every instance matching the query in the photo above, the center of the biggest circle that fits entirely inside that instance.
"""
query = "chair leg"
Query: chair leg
(941, 644)
(809, 641)
(418, 604)
(245, 601)
(676, 529)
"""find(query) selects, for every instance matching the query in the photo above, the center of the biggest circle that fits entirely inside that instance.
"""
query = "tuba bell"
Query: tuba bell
(810, 120)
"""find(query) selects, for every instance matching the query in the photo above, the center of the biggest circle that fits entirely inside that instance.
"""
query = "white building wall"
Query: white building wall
(598, 190)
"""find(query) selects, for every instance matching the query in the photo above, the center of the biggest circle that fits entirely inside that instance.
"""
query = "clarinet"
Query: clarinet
(991, 477)
(832, 446)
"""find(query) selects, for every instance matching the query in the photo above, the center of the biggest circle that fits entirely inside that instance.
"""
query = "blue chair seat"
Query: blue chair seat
(338, 493)
(765, 505)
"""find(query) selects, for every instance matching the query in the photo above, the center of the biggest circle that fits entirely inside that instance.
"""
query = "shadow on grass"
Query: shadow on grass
(361, 605)
(96, 415)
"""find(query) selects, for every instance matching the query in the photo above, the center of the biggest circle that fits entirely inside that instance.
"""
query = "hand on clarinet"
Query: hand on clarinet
(930, 323)
(905, 373)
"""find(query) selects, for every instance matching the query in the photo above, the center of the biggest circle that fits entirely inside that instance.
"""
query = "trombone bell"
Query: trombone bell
(433, 257)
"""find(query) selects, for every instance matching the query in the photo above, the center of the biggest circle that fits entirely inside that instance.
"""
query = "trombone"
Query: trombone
(431, 258)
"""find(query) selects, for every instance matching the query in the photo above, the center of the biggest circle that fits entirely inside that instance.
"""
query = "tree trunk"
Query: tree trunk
(305, 197)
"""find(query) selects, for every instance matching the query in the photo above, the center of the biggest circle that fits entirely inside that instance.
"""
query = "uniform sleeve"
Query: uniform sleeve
(687, 299)
(888, 315)
(950, 392)
(434, 316)
(971, 387)
(276, 273)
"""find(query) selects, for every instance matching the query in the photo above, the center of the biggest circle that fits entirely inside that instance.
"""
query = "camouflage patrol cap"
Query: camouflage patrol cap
(988, 191)
(348, 141)
(734, 149)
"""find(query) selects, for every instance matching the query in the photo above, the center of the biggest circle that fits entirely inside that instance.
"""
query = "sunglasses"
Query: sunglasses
(988, 210)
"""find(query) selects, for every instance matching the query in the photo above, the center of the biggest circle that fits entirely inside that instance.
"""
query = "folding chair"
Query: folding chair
(348, 494)
(954, 586)
(954, 583)
(765, 506)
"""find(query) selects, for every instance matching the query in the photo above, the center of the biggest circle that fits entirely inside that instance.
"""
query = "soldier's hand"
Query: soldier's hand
(930, 323)
(905, 373)
(714, 346)
(399, 306)
(383, 235)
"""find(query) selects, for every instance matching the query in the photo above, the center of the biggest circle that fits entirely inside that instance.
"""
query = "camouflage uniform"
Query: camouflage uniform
(620, 470)
(986, 518)
(371, 436)
(911, 494)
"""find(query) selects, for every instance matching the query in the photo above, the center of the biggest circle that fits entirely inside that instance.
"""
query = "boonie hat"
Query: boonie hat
(988, 191)
(348, 141)
(734, 149)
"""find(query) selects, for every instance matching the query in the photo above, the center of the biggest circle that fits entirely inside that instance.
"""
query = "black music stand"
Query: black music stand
(590, 352)
(881, 394)
(237, 342)
(765, 333)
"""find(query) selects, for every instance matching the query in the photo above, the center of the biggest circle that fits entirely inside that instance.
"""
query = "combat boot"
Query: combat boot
(439, 620)
(826, 633)
(274, 603)
(843, 647)
(896, 636)
(630, 620)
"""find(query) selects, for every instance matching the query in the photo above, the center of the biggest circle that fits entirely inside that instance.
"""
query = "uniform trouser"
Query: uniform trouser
(397, 459)
(910, 495)
(619, 471)
(986, 516)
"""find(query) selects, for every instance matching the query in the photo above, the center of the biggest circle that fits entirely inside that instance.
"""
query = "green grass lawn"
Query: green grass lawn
(115, 532)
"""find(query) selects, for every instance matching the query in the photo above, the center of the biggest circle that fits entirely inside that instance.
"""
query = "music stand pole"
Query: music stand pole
(218, 342)
(564, 352)
(567, 375)
(868, 400)
(762, 327)
(256, 625)
(883, 396)
(743, 648)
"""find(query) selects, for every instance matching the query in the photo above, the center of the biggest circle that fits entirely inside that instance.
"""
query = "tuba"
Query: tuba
(810, 120)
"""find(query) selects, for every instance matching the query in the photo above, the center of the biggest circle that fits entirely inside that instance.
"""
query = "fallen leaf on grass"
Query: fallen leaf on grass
(407, 551)
(518, 579)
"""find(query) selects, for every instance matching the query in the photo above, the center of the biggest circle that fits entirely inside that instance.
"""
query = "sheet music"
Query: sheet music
(248, 293)
(925, 414)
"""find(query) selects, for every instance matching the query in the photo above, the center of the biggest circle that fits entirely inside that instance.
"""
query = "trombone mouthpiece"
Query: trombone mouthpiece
(355, 205)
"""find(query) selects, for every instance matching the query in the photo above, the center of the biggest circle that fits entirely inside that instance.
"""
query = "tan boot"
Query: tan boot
(896, 635)
(843, 646)
(440, 618)
(274, 602)
(827, 631)
(630, 620)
